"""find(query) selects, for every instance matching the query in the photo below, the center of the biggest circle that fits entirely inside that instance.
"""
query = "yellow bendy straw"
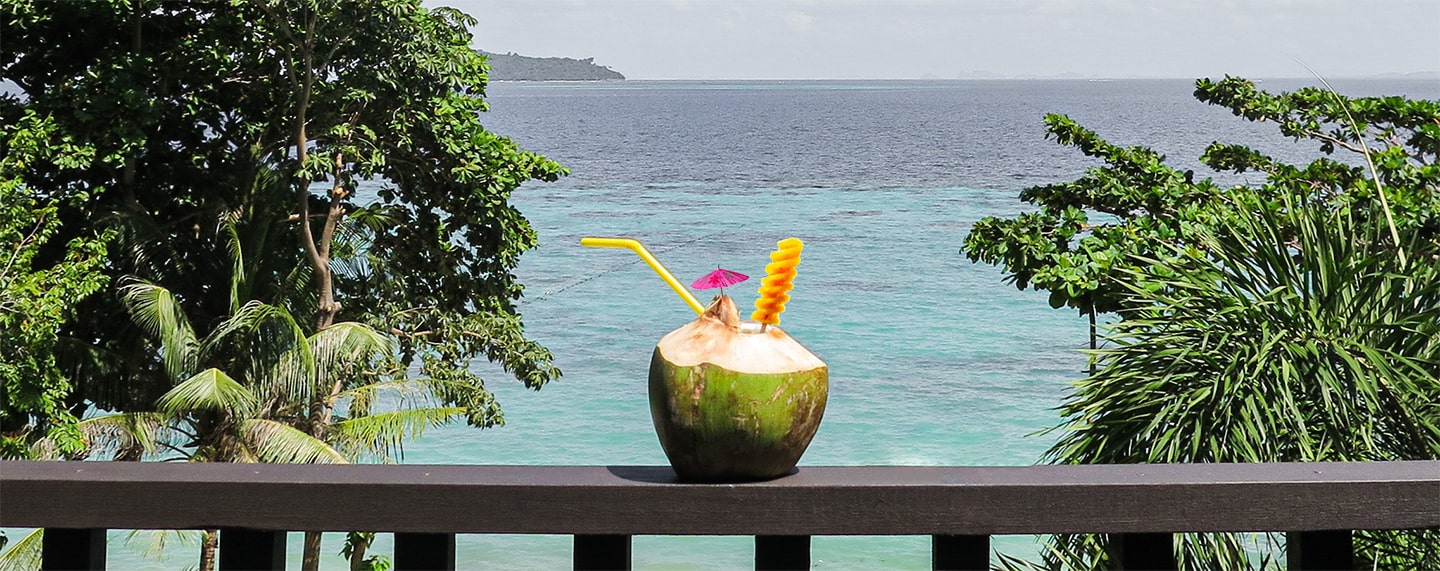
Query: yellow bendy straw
(639, 249)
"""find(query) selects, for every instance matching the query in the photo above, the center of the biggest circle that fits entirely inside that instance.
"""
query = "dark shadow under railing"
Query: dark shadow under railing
(253, 505)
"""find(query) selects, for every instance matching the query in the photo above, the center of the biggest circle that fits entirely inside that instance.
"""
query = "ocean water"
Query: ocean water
(934, 360)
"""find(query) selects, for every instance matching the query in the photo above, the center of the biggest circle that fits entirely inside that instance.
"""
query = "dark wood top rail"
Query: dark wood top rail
(641, 500)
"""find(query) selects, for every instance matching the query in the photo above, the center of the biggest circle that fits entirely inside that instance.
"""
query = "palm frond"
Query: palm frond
(445, 387)
(1292, 334)
(211, 390)
(23, 555)
(256, 327)
(384, 434)
(124, 436)
(268, 346)
(295, 289)
(1399, 549)
(353, 238)
(349, 341)
(354, 267)
(278, 443)
(156, 311)
(230, 233)
(407, 392)
(1303, 340)
(158, 540)
(290, 379)
(342, 349)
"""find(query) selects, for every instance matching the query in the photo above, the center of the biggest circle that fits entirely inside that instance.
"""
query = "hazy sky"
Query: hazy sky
(802, 39)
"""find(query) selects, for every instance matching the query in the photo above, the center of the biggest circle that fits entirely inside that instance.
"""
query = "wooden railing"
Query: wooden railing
(603, 507)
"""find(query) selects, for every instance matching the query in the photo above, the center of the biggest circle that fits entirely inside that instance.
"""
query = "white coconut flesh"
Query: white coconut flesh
(718, 337)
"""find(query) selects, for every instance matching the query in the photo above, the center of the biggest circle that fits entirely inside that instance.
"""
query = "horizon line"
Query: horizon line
(1418, 75)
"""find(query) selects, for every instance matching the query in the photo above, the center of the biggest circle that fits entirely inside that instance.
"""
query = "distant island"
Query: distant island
(515, 67)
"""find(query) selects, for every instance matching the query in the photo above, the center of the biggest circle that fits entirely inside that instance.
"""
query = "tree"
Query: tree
(40, 278)
(240, 392)
(1058, 249)
(1296, 320)
(1144, 205)
(268, 116)
(1297, 337)
(218, 418)
(206, 115)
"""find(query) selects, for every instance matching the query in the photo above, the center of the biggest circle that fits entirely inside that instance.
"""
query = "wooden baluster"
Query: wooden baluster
(602, 553)
(72, 549)
(425, 551)
(1149, 551)
(960, 552)
(1319, 550)
(251, 549)
(782, 552)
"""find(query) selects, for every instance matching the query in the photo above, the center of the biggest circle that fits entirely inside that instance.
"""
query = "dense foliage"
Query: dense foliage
(1291, 338)
(1298, 320)
(1296, 337)
(268, 117)
(40, 279)
(1137, 205)
(260, 162)
(1141, 203)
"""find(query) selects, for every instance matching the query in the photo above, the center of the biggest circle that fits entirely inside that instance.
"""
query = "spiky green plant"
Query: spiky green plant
(1290, 332)
(23, 555)
(255, 388)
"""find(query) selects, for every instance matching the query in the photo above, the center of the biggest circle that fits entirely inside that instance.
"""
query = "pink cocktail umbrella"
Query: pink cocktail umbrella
(720, 278)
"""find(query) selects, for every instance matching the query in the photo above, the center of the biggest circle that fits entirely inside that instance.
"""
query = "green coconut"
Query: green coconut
(733, 402)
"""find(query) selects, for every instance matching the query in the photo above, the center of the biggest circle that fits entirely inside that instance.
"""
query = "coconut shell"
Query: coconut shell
(731, 402)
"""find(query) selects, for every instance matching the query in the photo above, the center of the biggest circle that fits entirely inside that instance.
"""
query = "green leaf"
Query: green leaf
(159, 315)
(23, 555)
(277, 443)
(384, 434)
(209, 390)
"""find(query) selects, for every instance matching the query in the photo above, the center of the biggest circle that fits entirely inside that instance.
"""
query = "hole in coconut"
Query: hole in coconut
(749, 327)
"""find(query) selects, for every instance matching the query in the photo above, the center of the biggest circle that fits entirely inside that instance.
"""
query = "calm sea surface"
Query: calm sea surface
(934, 360)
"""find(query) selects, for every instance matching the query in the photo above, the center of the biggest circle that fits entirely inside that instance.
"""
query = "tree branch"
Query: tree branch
(1334, 141)
(21, 246)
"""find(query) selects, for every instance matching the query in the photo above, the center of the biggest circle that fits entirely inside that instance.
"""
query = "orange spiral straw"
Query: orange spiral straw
(779, 278)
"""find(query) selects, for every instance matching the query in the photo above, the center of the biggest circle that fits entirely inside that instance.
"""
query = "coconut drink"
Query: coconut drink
(734, 400)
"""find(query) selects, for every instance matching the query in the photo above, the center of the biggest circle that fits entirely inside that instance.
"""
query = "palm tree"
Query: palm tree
(1293, 332)
(222, 419)
(320, 398)
(293, 385)
(255, 387)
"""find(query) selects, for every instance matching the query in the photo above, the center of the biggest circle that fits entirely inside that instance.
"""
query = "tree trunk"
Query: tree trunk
(359, 544)
(304, 83)
(1092, 339)
(311, 560)
(207, 549)
(325, 279)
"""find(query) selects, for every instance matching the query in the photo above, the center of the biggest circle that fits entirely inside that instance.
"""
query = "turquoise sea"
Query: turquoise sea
(934, 360)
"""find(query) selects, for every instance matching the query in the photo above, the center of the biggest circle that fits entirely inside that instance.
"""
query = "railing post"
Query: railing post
(251, 549)
(1149, 551)
(1319, 550)
(602, 553)
(72, 549)
(960, 552)
(782, 552)
(424, 551)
